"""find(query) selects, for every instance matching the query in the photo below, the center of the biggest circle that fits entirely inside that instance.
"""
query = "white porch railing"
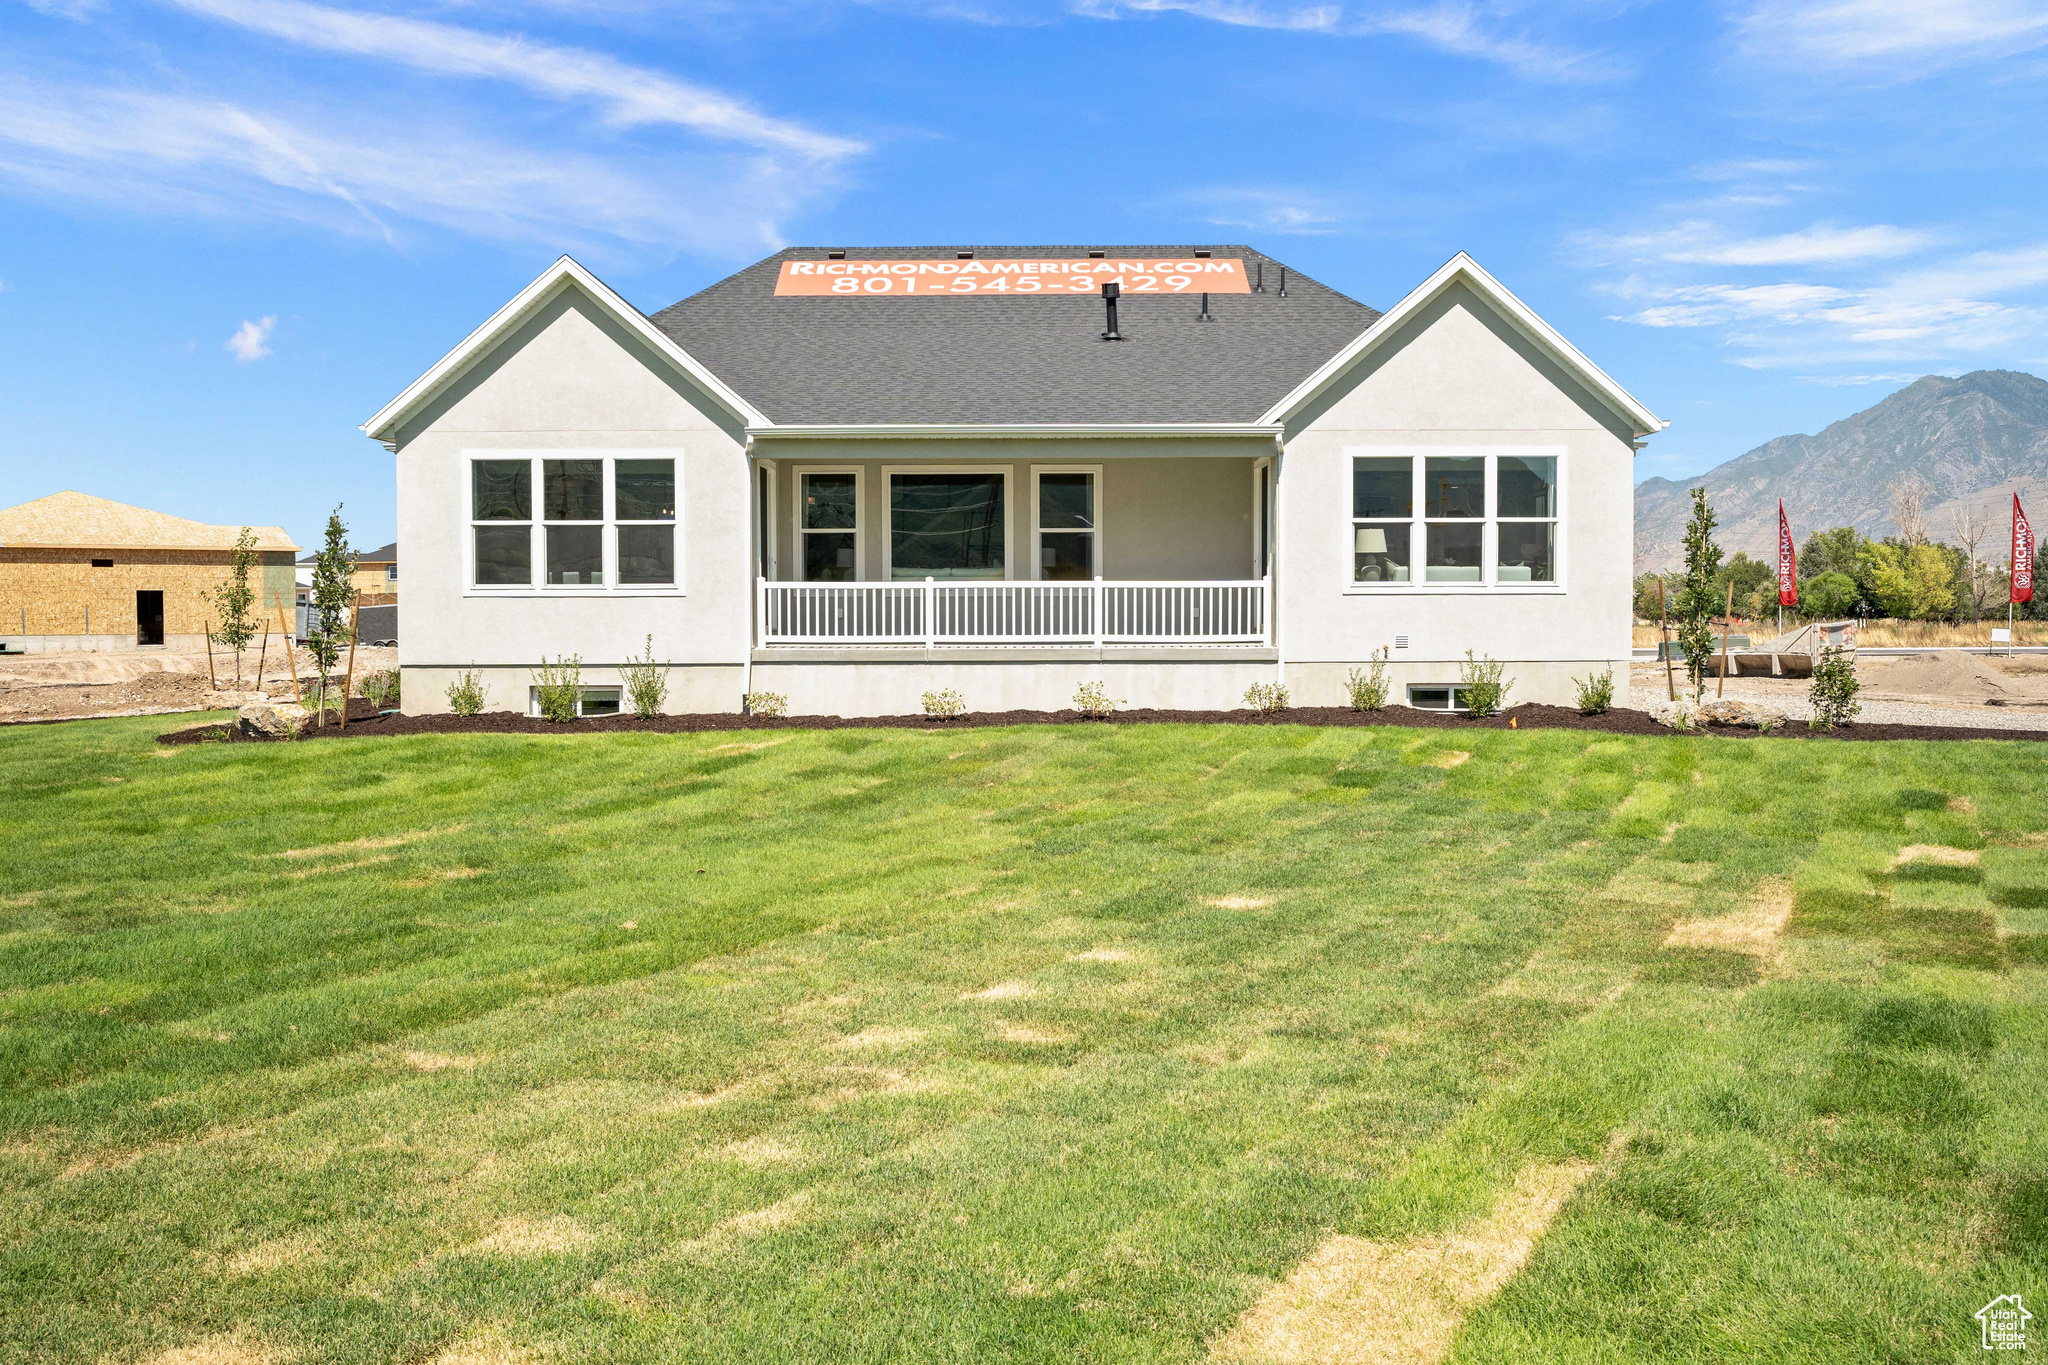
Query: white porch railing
(997, 613)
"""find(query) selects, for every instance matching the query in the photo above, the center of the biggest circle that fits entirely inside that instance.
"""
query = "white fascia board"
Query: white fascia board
(1462, 267)
(987, 430)
(561, 275)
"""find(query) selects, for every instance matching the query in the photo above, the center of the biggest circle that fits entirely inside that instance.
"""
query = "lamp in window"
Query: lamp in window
(1371, 544)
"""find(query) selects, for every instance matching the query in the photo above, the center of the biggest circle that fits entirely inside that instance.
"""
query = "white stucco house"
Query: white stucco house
(853, 476)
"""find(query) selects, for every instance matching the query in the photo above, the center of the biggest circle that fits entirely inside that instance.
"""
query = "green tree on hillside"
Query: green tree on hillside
(1834, 551)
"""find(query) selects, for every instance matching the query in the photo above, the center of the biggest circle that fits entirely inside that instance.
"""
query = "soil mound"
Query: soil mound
(1937, 675)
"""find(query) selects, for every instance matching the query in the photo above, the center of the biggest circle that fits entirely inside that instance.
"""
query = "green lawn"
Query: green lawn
(1048, 1044)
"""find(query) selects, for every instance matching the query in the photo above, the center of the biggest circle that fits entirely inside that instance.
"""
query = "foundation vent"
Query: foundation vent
(1400, 642)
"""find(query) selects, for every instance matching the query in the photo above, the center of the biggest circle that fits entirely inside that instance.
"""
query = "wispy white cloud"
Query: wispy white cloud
(1269, 210)
(1837, 381)
(1705, 243)
(1926, 314)
(139, 150)
(628, 95)
(251, 340)
(1463, 30)
(1905, 35)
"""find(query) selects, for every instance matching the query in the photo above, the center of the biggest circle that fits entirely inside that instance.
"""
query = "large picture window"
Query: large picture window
(948, 524)
(588, 522)
(1454, 519)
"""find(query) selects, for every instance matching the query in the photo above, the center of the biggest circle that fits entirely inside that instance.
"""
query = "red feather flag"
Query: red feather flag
(2022, 554)
(1788, 563)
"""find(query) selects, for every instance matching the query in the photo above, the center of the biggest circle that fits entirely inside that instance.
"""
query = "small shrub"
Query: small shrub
(381, 687)
(561, 686)
(1834, 690)
(1092, 700)
(1766, 724)
(1369, 689)
(1681, 721)
(1267, 698)
(466, 693)
(767, 704)
(646, 683)
(1481, 684)
(943, 703)
(1596, 694)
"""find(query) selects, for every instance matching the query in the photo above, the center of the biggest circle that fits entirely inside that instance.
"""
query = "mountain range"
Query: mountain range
(1976, 440)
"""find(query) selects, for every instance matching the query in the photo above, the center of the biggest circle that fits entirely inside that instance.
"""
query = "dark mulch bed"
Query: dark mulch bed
(364, 721)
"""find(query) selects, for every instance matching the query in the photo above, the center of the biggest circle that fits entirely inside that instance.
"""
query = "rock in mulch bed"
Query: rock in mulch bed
(365, 723)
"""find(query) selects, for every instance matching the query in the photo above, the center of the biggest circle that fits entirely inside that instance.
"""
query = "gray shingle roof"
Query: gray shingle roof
(1006, 358)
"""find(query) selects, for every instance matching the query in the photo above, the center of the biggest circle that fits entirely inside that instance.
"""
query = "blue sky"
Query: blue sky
(231, 229)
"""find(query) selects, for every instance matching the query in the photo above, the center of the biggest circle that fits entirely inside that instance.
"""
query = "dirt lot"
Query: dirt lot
(1927, 689)
(74, 685)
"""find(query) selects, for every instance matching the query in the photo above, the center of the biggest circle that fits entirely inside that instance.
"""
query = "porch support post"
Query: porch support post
(1273, 631)
(931, 617)
(1095, 612)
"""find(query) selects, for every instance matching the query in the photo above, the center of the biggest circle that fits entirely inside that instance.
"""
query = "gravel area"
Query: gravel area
(2015, 708)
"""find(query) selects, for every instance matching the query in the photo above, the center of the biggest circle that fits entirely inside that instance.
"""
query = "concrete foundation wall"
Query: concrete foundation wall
(1533, 680)
(898, 689)
(96, 644)
(697, 690)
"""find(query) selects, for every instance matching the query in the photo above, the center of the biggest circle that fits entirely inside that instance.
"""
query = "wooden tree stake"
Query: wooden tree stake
(1664, 629)
(210, 679)
(355, 612)
(262, 654)
(1727, 624)
(290, 656)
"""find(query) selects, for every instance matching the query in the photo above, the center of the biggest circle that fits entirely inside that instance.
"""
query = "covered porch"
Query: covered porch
(1013, 544)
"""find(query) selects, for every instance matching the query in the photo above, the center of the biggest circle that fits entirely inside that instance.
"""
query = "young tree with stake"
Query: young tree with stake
(235, 600)
(333, 593)
(1696, 599)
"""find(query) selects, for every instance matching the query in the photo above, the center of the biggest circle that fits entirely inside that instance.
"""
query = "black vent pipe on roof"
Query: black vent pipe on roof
(1109, 295)
(1259, 285)
(1203, 316)
(1283, 281)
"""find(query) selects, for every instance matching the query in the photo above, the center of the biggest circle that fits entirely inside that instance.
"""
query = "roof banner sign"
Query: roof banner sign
(907, 279)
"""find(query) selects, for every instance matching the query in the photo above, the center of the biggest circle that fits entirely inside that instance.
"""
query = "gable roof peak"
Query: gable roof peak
(565, 273)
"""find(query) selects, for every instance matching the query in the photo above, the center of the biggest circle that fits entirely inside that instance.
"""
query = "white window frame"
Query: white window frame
(1489, 535)
(1094, 514)
(1009, 474)
(764, 520)
(537, 528)
(860, 517)
(533, 698)
(1264, 482)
